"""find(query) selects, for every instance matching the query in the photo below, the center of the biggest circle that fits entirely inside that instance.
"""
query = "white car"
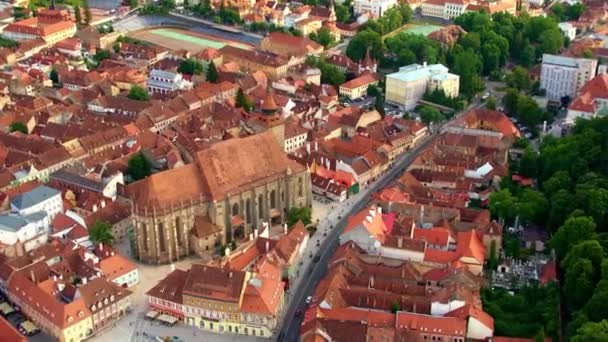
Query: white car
(308, 299)
(485, 96)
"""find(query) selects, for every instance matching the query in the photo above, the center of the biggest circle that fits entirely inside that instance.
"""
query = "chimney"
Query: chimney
(267, 246)
(101, 246)
(227, 251)
(250, 236)
(400, 242)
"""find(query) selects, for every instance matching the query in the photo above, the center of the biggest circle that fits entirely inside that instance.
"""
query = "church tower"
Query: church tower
(272, 118)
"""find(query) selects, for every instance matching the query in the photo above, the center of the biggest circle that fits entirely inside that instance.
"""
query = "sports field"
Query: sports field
(177, 39)
(421, 29)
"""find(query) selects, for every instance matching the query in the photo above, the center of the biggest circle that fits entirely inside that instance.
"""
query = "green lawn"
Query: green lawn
(167, 33)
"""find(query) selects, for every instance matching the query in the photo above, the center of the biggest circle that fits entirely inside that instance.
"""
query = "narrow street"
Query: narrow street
(312, 272)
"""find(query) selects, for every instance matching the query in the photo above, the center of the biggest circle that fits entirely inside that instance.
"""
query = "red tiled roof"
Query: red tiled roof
(597, 87)
(8, 333)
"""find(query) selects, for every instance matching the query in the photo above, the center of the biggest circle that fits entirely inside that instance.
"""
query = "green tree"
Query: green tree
(242, 101)
(323, 37)
(212, 75)
(503, 204)
(574, 230)
(491, 103)
(101, 55)
(395, 307)
(468, 66)
(77, 14)
(596, 308)
(579, 283)
(87, 13)
(139, 167)
(493, 261)
(430, 115)
(54, 76)
(101, 232)
(592, 332)
(532, 206)
(138, 93)
(519, 79)
(551, 41)
(18, 126)
(116, 47)
(342, 13)
(528, 111)
(190, 66)
(358, 45)
(133, 3)
(509, 100)
(560, 180)
(528, 164)
(296, 214)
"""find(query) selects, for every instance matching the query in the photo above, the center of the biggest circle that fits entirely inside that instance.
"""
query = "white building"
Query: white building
(30, 229)
(375, 7)
(38, 199)
(568, 30)
(564, 76)
(407, 86)
(165, 82)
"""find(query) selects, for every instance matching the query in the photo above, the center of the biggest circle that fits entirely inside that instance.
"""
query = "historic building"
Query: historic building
(234, 186)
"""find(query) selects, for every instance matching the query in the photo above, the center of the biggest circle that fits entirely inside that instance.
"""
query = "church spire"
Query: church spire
(269, 107)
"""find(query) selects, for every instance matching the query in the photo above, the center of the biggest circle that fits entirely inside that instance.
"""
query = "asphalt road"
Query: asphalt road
(291, 325)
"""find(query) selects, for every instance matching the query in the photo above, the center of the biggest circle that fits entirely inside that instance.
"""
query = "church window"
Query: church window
(235, 209)
(161, 237)
(260, 206)
(178, 231)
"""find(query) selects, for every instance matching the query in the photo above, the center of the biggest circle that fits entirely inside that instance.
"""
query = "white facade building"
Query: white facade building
(375, 7)
(30, 229)
(165, 82)
(568, 30)
(38, 199)
(407, 86)
(564, 76)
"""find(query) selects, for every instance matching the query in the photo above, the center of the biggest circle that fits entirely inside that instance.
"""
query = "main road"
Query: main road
(313, 271)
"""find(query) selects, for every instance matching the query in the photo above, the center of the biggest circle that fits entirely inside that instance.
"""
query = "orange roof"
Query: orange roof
(439, 256)
(370, 219)
(596, 88)
(469, 310)
(435, 236)
(363, 80)
(484, 118)
(9, 333)
(469, 245)
(425, 323)
(116, 266)
(265, 290)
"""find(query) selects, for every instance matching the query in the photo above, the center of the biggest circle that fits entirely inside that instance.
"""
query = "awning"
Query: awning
(274, 212)
(237, 220)
(29, 327)
(6, 309)
(167, 319)
(151, 314)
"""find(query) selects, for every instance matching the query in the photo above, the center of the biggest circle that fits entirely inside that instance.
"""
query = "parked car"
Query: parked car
(308, 299)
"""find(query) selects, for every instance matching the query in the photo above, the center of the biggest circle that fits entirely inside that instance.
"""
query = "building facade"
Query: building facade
(564, 76)
(407, 86)
(237, 185)
(376, 7)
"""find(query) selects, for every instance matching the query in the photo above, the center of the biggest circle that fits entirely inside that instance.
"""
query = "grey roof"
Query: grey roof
(13, 223)
(34, 196)
(68, 177)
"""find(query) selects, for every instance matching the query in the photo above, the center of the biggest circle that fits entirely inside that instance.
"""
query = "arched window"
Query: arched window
(235, 209)
(260, 206)
(161, 237)
(179, 231)
(273, 199)
(248, 210)
(144, 235)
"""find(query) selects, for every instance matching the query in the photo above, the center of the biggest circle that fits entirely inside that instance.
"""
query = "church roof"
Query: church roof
(225, 168)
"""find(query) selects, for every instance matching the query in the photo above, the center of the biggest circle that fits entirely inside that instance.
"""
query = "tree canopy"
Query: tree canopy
(138, 93)
(191, 67)
(212, 75)
(101, 232)
(139, 167)
(18, 126)
(296, 214)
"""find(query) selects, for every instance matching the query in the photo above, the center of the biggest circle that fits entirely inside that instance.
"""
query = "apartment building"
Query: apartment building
(375, 7)
(450, 9)
(564, 76)
(407, 86)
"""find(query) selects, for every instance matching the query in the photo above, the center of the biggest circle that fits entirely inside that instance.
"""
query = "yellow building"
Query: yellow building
(407, 86)
(357, 87)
